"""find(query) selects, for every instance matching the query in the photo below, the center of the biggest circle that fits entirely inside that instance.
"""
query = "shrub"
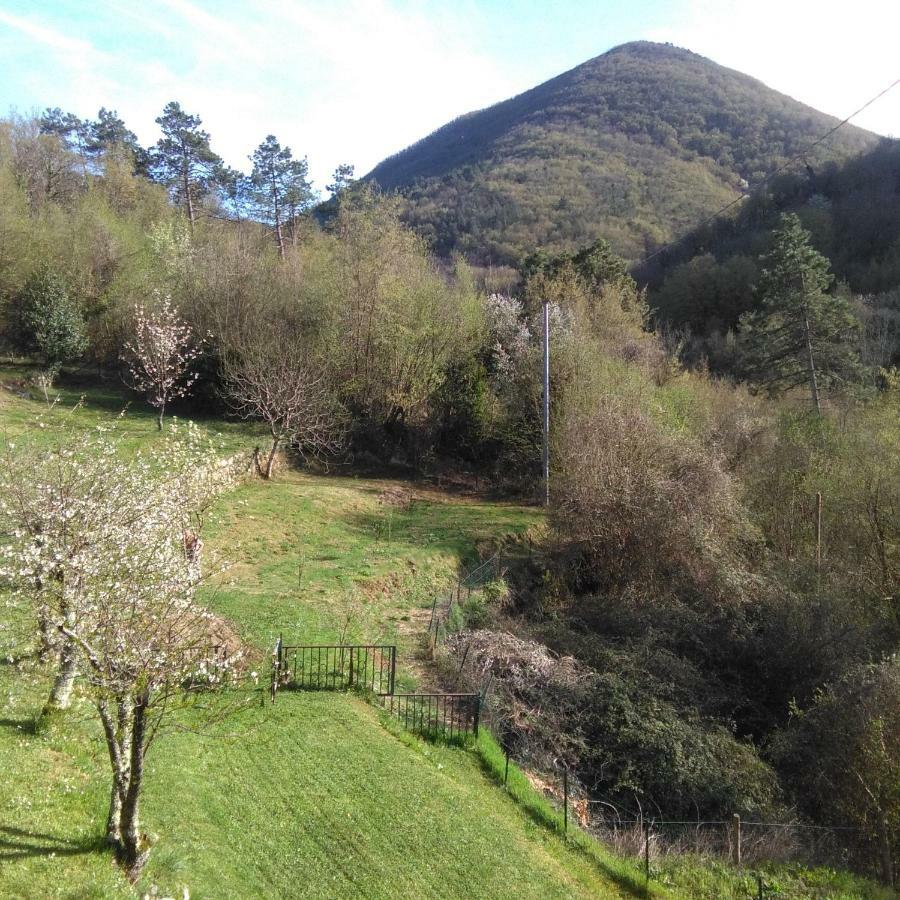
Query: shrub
(843, 757)
(638, 505)
(46, 321)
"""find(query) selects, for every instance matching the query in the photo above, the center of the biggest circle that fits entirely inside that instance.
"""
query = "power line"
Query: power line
(799, 156)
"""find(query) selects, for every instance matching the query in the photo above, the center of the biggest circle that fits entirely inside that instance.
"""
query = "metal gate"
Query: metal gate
(367, 667)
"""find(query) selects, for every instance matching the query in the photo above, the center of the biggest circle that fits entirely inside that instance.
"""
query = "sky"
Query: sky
(353, 81)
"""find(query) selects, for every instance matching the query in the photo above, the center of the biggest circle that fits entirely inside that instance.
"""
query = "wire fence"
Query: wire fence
(460, 593)
(743, 842)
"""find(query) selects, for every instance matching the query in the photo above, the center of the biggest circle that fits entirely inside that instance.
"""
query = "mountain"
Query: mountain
(636, 146)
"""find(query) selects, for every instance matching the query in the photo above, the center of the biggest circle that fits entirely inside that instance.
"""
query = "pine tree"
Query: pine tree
(183, 158)
(280, 184)
(800, 334)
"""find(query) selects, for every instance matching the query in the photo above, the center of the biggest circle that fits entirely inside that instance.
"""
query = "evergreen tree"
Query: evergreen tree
(72, 131)
(342, 179)
(109, 132)
(183, 158)
(90, 140)
(282, 191)
(47, 322)
(800, 334)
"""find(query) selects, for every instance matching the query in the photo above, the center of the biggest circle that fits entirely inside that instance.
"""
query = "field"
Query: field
(319, 794)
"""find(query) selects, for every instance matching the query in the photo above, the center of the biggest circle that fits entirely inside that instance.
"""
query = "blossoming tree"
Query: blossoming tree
(160, 355)
(97, 551)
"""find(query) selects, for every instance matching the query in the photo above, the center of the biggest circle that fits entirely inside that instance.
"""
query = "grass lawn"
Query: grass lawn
(317, 795)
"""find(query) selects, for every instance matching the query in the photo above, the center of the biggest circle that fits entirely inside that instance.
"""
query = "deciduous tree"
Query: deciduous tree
(269, 377)
(97, 550)
(160, 354)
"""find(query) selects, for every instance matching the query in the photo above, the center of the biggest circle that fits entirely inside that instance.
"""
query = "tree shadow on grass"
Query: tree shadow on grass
(16, 843)
(27, 726)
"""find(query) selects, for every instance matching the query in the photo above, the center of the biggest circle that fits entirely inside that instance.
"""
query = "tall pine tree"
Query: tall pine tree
(800, 334)
(280, 186)
(184, 160)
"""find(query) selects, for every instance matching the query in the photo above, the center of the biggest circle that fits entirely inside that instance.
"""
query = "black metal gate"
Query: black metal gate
(367, 667)
(433, 715)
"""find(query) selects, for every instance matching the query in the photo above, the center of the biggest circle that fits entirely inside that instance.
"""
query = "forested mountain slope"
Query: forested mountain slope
(636, 146)
(852, 211)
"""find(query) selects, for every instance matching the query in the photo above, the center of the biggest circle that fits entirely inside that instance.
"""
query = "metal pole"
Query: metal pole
(546, 403)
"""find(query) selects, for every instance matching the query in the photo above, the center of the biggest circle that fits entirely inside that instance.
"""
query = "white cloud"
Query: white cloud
(832, 56)
(348, 81)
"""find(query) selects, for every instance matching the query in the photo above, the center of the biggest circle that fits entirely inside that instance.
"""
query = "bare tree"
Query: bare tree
(159, 356)
(270, 378)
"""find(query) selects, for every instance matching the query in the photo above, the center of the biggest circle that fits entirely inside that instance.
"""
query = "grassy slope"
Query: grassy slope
(317, 795)
(312, 796)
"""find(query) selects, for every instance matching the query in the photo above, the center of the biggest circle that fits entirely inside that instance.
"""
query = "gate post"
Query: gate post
(393, 667)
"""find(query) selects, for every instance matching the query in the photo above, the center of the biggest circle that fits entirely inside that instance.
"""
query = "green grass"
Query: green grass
(311, 557)
(320, 794)
(83, 401)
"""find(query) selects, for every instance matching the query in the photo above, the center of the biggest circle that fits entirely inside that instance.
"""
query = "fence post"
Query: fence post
(276, 667)
(736, 839)
(433, 608)
(565, 801)
(478, 700)
(647, 851)
(350, 675)
(393, 666)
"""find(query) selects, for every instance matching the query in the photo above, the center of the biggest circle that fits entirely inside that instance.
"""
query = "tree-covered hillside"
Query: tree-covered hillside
(708, 280)
(636, 146)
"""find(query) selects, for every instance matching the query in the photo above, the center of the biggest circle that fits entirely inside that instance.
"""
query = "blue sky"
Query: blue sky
(355, 80)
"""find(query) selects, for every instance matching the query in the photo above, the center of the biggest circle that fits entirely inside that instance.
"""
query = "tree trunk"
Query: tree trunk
(130, 855)
(886, 855)
(270, 462)
(186, 184)
(61, 692)
(279, 236)
(118, 742)
(813, 381)
(47, 634)
(162, 412)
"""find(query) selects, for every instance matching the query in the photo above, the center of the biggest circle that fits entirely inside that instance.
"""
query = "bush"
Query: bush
(638, 506)
(642, 746)
(45, 320)
(842, 755)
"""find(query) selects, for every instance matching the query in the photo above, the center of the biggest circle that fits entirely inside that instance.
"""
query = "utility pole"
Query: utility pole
(546, 403)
